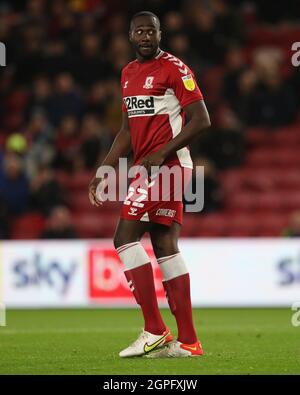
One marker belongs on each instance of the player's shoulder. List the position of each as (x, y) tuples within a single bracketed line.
[(173, 64), (129, 67)]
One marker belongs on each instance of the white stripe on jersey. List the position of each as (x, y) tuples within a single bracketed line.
[(175, 120), (145, 106)]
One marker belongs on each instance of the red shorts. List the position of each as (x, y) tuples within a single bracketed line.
[(157, 199)]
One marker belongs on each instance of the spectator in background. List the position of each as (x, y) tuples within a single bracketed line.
[(228, 23), (213, 196), (30, 57), (36, 11), (274, 102), (87, 24), (214, 26), (263, 98), (67, 144), (202, 33), (45, 191), (16, 143), (58, 59), (115, 25), (58, 10), (243, 102), (294, 81), (94, 141), (59, 225), (6, 84), (179, 45), (14, 107), (234, 67), (173, 23), (274, 12), (66, 100), (119, 54), (97, 99), (39, 100), (293, 228), (113, 116), (14, 185), (40, 137), (91, 65), (223, 144), (63, 23)]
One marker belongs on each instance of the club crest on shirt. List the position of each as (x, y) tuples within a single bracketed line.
[(148, 83), (189, 82)]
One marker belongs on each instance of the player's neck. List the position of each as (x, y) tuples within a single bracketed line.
[(141, 59)]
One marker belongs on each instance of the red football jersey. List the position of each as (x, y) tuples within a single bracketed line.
[(154, 95)]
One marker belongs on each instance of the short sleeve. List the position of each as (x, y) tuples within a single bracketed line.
[(184, 85), (124, 109)]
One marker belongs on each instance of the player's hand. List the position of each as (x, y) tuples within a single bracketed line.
[(96, 187), (155, 159)]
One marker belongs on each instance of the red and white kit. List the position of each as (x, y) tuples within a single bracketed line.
[(154, 95)]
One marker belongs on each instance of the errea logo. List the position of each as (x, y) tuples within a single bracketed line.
[(2, 54), (139, 105)]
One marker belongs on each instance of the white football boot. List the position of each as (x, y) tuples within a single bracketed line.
[(146, 343), (177, 349)]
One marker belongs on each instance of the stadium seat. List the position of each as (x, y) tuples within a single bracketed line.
[(242, 225), (213, 224), (79, 203), (243, 201), (17, 101), (258, 137), (212, 81), (264, 157), (272, 224), (286, 137), (94, 226), (261, 36), (75, 182), (28, 226)]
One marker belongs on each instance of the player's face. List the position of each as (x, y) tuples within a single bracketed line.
[(145, 36)]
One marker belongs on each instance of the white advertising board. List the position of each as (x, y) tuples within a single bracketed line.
[(224, 272), (43, 274)]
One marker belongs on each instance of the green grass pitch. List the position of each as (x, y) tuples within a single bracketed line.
[(87, 341)]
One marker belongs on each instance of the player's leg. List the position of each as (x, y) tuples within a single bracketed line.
[(176, 281), (139, 274)]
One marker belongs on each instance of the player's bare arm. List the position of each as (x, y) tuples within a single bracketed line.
[(120, 148), (198, 121)]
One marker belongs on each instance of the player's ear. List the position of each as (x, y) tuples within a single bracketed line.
[(130, 35), (159, 36)]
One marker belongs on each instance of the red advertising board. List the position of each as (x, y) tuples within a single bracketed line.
[(107, 282)]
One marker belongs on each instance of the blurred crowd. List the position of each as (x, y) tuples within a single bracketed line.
[(60, 95)]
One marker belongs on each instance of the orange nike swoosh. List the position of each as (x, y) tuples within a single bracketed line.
[(194, 348)]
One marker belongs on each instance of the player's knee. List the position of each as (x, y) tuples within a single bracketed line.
[(118, 241), (164, 247), (158, 247), (121, 239)]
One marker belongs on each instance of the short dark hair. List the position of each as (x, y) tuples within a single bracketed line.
[(145, 13)]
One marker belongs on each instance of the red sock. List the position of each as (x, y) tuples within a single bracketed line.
[(177, 286), (179, 298), (141, 282)]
